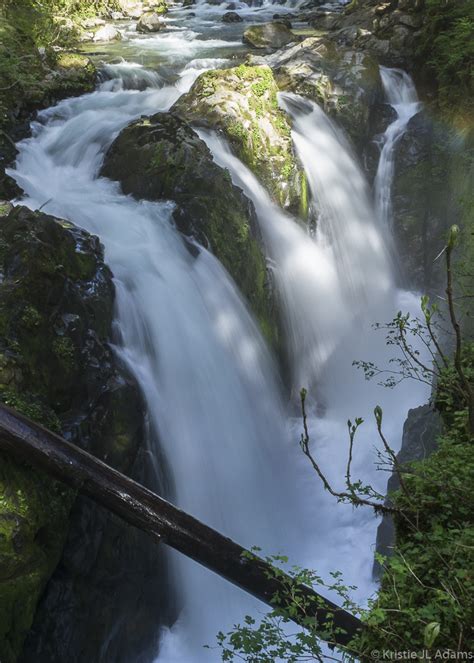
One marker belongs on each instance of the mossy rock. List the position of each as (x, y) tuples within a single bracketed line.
[(73, 74), (55, 287), (31, 540), (161, 158), (242, 102), (344, 82), (269, 36), (56, 309)]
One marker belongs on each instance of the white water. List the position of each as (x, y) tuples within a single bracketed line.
[(333, 287), (327, 285), (210, 385), (402, 97)]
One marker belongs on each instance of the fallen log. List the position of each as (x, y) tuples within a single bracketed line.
[(30, 443)]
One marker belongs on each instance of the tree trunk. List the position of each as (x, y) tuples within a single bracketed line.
[(33, 444)]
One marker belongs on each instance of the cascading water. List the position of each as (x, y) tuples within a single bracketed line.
[(208, 381), (402, 97), (326, 284), (210, 386), (333, 288)]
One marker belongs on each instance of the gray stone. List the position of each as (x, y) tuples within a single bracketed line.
[(107, 33), (269, 36), (150, 23), (231, 17), (420, 432)]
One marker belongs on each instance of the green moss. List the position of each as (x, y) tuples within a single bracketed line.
[(31, 540), (4, 209), (243, 102), (64, 349), (45, 265), (33, 408), (305, 196), (30, 317), (27, 80)]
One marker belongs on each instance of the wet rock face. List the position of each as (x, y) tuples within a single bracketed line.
[(242, 103), (269, 36), (420, 432), (162, 158), (345, 83), (387, 29), (56, 309), (422, 199), (56, 304)]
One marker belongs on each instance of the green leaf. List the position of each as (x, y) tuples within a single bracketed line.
[(431, 633)]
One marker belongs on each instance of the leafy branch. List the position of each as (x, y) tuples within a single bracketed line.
[(356, 493)]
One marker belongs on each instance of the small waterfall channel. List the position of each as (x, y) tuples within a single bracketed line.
[(212, 390), (401, 95)]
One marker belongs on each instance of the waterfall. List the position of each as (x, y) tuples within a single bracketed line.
[(333, 287), (326, 284), (208, 381), (402, 97), (211, 389)]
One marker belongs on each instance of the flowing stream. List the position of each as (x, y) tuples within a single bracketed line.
[(401, 95), (212, 390)]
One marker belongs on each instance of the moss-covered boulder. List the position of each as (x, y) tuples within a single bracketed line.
[(161, 157), (27, 30), (346, 83), (242, 103), (56, 307), (47, 79), (269, 36)]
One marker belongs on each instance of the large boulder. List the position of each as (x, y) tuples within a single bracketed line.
[(344, 82), (269, 36), (56, 311), (150, 23), (163, 158), (242, 102)]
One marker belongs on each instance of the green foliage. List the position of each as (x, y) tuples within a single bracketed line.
[(430, 578), (275, 637), (446, 49), (27, 25)]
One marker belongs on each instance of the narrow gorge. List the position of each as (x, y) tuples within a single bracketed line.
[(210, 213)]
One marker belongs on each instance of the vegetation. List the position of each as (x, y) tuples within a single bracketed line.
[(446, 51), (425, 599), (33, 36)]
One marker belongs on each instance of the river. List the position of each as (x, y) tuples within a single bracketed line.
[(217, 408)]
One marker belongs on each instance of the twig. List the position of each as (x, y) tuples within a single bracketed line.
[(356, 500)]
